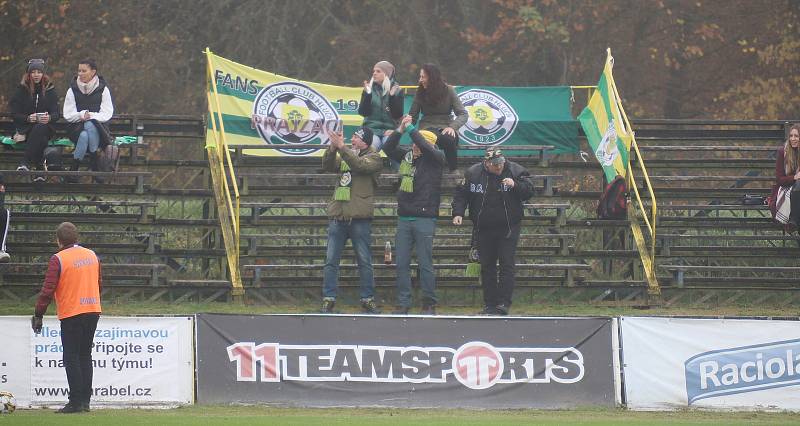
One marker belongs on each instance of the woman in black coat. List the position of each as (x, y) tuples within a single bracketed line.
[(34, 107)]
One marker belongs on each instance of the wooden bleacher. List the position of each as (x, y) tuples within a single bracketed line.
[(157, 212)]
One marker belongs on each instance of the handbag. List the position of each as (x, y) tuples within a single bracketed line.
[(783, 204)]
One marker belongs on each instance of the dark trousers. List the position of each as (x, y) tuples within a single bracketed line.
[(77, 334), (794, 213), (449, 145), (498, 245), (35, 144), (5, 223)]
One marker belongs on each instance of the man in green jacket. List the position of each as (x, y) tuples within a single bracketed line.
[(350, 213)]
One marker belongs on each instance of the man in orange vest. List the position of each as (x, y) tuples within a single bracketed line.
[(73, 277)]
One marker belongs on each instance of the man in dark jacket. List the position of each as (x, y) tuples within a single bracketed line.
[(350, 212), (421, 168), (494, 191)]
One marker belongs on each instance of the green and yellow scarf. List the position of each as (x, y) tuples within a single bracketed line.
[(342, 192), (407, 171)]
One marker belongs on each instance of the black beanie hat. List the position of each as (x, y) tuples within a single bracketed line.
[(366, 134), (35, 64)]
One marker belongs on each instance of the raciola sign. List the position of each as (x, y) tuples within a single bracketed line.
[(742, 369)]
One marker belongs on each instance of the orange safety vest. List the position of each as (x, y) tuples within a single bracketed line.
[(78, 289)]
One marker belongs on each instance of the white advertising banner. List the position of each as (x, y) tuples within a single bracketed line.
[(674, 363), (138, 361)]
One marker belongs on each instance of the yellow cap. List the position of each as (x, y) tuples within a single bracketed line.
[(429, 136)]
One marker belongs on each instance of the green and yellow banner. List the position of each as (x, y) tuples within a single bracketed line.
[(259, 107), (605, 127), (268, 110)]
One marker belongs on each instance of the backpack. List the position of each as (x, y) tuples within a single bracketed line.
[(108, 158), (53, 160), (613, 203)]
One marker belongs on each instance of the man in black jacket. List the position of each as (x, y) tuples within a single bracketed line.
[(418, 199), (494, 191)]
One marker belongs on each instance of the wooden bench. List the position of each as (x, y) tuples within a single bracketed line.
[(679, 271), (258, 271), (138, 177), (288, 241), (317, 211), (327, 181), (511, 151), (668, 243), (104, 206), (112, 272)]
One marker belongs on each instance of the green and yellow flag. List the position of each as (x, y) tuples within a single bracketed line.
[(258, 107), (603, 121)]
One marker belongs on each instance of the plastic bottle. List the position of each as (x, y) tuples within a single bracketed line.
[(387, 253)]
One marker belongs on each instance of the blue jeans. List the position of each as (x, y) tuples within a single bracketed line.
[(88, 139), (418, 233), (359, 231)]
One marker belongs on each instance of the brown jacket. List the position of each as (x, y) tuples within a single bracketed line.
[(364, 167)]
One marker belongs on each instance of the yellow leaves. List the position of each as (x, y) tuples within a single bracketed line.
[(693, 52)]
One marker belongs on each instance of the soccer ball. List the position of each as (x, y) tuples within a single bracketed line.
[(7, 403), (297, 112)]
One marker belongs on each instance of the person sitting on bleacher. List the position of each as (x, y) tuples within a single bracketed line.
[(442, 111), (421, 168), (381, 102), (494, 191), (88, 106), (787, 176), (5, 223), (350, 211), (34, 108)]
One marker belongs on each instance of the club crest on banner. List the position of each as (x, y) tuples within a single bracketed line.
[(607, 150), (491, 120), (293, 113)]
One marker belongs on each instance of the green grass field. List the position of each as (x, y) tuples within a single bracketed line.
[(163, 308), (218, 415)]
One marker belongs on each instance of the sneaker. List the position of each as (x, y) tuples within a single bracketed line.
[(23, 168), (400, 310), (369, 306), (38, 179), (85, 407), (327, 305), (488, 310), (428, 310), (4, 257), (70, 408), (501, 309)]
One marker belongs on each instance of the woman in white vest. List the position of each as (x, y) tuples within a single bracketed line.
[(88, 106)]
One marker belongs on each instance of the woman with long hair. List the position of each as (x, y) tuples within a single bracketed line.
[(438, 102), (787, 172), (381, 103), (34, 108), (88, 106)]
